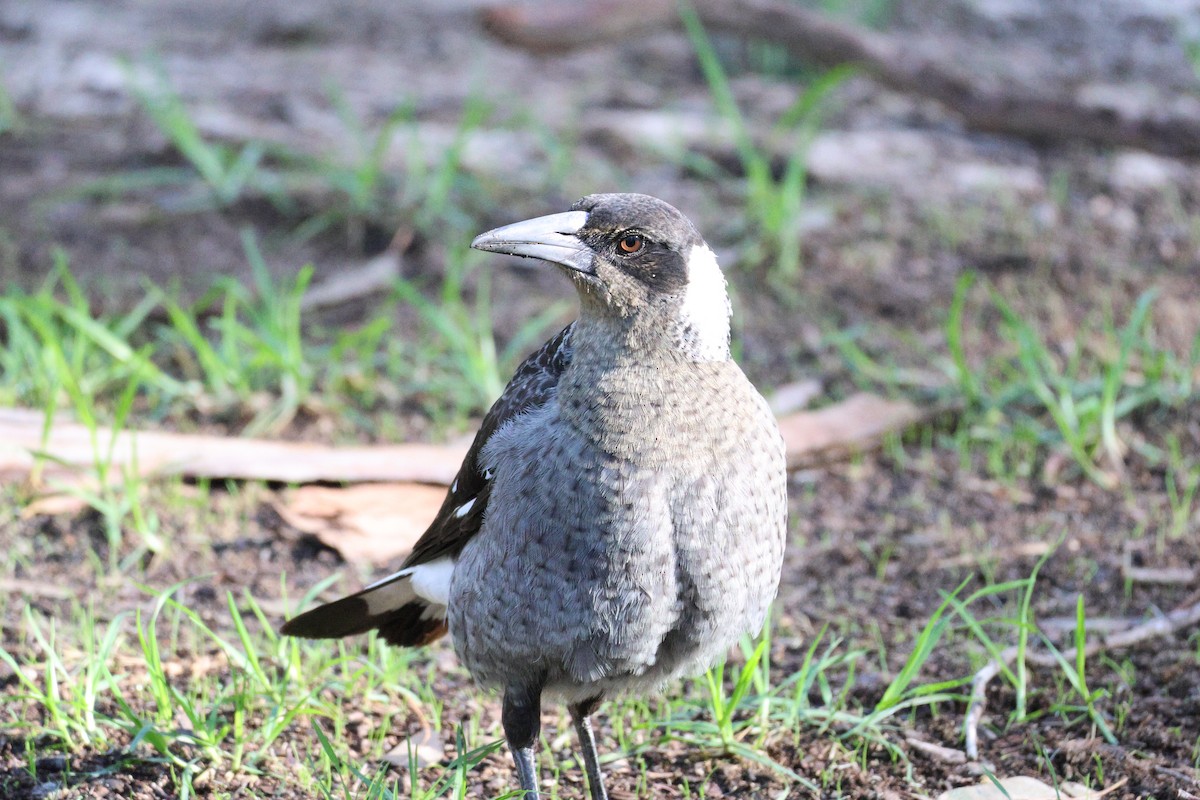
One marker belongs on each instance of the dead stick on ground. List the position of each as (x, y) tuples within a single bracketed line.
[(997, 106), (857, 424), (1178, 619)]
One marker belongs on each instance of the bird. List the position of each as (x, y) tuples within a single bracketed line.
[(619, 520)]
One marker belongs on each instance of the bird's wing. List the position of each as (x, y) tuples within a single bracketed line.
[(461, 514), (409, 606)]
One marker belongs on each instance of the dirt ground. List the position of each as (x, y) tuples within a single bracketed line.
[(937, 524), (901, 202)]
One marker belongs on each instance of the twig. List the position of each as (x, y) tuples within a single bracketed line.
[(1172, 576), (859, 423), (18, 586), (354, 284), (1178, 775), (1163, 575), (69, 452), (936, 751), (1165, 625)]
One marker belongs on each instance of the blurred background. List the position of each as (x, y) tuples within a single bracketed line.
[(854, 156), (252, 220)]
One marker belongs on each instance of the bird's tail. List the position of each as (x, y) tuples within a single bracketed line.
[(407, 608)]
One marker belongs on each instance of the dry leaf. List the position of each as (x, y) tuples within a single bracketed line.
[(427, 748), (371, 522)]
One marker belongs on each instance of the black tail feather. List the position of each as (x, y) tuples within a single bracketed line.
[(410, 625)]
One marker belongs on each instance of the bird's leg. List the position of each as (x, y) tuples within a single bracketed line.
[(522, 720), (581, 716)]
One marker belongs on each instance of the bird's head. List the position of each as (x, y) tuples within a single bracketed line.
[(636, 262)]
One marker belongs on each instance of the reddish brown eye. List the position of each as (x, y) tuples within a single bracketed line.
[(630, 243)]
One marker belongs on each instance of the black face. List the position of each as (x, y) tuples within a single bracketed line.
[(642, 236), (653, 263)]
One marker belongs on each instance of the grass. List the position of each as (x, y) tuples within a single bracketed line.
[(200, 727), (256, 346), (471, 369), (227, 173), (237, 354), (773, 199), (1031, 404), (241, 354), (1035, 398), (10, 119), (117, 683), (366, 187), (1076, 675), (363, 190), (189, 679), (255, 687)]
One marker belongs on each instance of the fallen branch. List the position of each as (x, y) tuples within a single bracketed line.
[(391, 505), (858, 423), (1112, 115), (1177, 620), (68, 452)]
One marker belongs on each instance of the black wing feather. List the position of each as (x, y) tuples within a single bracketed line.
[(534, 383)]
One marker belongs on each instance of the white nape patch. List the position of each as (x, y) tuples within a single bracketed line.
[(706, 307), (464, 509), (431, 581)]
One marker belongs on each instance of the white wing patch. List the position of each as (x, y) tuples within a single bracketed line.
[(429, 582), (390, 593)]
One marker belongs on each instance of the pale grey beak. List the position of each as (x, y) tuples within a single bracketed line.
[(551, 238)]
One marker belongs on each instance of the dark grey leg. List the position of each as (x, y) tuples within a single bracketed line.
[(521, 717), (581, 716)]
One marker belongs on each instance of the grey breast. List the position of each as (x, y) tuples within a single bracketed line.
[(622, 548)]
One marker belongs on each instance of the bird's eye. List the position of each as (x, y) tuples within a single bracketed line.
[(631, 243)]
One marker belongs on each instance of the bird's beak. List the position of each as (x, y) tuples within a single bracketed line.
[(551, 238)]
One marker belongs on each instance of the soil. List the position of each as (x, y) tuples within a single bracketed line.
[(1066, 235)]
